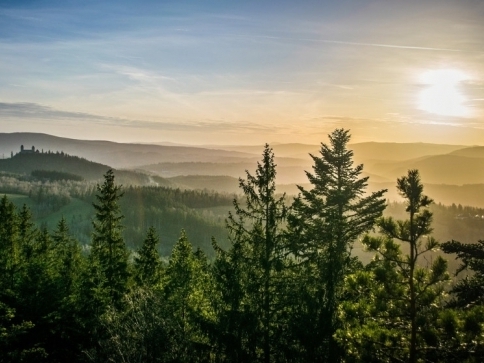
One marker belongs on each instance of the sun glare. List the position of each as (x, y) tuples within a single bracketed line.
[(442, 95)]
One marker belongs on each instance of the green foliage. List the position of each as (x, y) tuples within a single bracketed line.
[(147, 265), (236, 322), (187, 288), (9, 243), (464, 323), (142, 331), (394, 317), (108, 250), (325, 222), (169, 211), (60, 162), (250, 273), (287, 289), (55, 175), (470, 290)]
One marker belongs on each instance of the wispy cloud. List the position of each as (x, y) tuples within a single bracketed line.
[(33, 111)]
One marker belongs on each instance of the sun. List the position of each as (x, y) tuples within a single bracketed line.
[(442, 95)]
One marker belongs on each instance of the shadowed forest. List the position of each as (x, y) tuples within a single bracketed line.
[(253, 277)]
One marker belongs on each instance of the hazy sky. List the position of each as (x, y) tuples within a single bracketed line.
[(244, 72)]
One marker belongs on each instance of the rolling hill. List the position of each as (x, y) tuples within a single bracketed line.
[(218, 183), (366, 151), (118, 155), (218, 167), (470, 152), (27, 163), (438, 169), (285, 174), (362, 151)]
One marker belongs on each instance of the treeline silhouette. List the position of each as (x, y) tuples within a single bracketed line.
[(285, 289), (55, 175)]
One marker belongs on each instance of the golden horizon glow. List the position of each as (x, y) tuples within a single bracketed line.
[(442, 95)]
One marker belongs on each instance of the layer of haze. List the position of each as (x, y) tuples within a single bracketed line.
[(248, 72)]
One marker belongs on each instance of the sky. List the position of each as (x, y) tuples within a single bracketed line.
[(244, 72)]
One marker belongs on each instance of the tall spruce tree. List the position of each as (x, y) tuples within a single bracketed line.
[(108, 249), (325, 222), (257, 256), (187, 286), (68, 260), (236, 324), (68, 255), (147, 265), (26, 228), (103, 279), (9, 244)]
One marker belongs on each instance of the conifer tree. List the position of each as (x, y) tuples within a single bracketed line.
[(26, 226), (469, 290), (235, 324), (257, 257), (187, 286), (108, 249), (465, 310), (67, 254), (68, 266), (9, 244), (400, 320), (104, 276), (147, 265), (325, 222)]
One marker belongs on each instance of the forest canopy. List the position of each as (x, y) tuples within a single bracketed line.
[(282, 283)]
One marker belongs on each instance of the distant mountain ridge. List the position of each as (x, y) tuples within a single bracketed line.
[(131, 155), (449, 169), (439, 164), (470, 152), (362, 151), (118, 155)]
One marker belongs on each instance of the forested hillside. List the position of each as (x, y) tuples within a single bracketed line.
[(58, 161), (283, 285), (201, 213)]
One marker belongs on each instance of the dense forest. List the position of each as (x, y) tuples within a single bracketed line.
[(282, 285), (167, 209)]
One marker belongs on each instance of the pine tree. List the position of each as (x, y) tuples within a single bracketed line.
[(257, 257), (463, 321), (236, 325), (147, 265), (325, 222), (67, 255), (9, 244), (469, 290), (68, 262), (103, 278), (26, 226), (13, 327), (108, 249), (412, 291), (187, 286)]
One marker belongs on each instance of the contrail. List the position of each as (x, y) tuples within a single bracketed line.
[(386, 45), (361, 44)]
